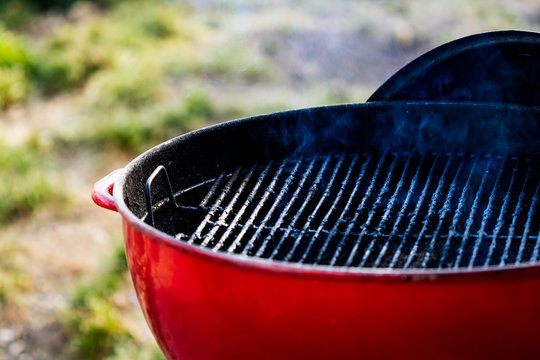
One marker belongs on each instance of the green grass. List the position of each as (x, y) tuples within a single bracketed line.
[(129, 86), (95, 324), (15, 63), (121, 44), (13, 52), (25, 178), (124, 57), (233, 61), (15, 14), (105, 284), (131, 351), (96, 329), (14, 86), (134, 129), (69, 57), (13, 279)]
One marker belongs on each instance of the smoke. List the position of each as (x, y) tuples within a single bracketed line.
[(307, 132), (422, 127)]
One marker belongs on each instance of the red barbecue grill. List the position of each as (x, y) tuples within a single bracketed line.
[(366, 230)]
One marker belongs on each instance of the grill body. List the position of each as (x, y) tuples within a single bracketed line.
[(200, 306), (204, 304)]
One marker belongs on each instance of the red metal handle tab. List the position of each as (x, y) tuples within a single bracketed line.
[(102, 192)]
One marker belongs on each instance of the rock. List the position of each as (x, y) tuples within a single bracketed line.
[(16, 348), (6, 335)]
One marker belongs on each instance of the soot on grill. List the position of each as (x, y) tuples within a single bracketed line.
[(367, 209)]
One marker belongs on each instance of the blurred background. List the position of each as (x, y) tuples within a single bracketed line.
[(85, 86)]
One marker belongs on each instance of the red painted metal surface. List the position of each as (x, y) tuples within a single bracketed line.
[(205, 305), (102, 192), (199, 308)]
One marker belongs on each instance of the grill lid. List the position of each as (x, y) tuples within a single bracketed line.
[(498, 67), (375, 210)]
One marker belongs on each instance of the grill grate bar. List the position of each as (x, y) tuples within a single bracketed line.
[(334, 229), (412, 221), (457, 215), (307, 200), (472, 213), (330, 212), (359, 210), (431, 210), (354, 234), (242, 210), (442, 215), (315, 211), (225, 214), (534, 255), (212, 191), (371, 214), (262, 202), (525, 235), (500, 219), (515, 216), (485, 217), (389, 210), (285, 212), (215, 208), (386, 214), (401, 214)]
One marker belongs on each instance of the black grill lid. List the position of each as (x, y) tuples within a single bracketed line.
[(498, 67)]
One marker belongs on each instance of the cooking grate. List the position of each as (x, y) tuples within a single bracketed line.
[(389, 210)]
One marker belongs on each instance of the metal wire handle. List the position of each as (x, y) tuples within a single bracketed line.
[(148, 194)]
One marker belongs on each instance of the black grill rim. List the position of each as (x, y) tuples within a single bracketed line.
[(260, 264)]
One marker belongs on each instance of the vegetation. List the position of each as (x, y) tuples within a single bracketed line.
[(137, 130), (95, 324), (15, 64), (13, 279), (26, 184)]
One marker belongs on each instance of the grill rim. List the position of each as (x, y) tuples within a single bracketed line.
[(301, 269), (324, 271)]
